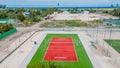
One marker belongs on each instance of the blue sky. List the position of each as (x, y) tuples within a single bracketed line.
[(53, 3)]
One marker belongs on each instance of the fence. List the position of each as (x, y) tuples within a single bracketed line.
[(8, 33), (99, 35)]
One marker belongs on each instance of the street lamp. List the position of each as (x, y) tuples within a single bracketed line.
[(58, 3), (109, 42), (16, 16), (103, 41), (97, 34)]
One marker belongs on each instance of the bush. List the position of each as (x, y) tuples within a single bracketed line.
[(63, 23), (21, 17), (46, 65), (96, 22), (74, 10), (25, 23), (5, 27)]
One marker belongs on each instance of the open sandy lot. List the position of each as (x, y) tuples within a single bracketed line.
[(82, 16)]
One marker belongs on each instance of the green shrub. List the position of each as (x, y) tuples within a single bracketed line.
[(25, 23), (46, 65), (5, 27), (65, 23)]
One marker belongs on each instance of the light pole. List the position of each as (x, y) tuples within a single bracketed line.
[(58, 3), (109, 42), (103, 41), (16, 17), (19, 39), (93, 34), (97, 35)]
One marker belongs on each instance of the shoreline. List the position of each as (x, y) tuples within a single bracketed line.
[(64, 7)]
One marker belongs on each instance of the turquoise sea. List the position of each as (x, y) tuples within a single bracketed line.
[(65, 7)]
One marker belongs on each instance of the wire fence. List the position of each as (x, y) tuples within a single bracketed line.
[(99, 36)]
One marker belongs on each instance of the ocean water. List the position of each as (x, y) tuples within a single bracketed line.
[(65, 7)]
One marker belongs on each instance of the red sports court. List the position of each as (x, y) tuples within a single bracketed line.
[(61, 49)]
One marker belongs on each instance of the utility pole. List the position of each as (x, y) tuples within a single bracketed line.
[(16, 16), (109, 42), (58, 4), (117, 5), (96, 40), (103, 41)]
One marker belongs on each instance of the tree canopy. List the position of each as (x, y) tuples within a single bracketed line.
[(5, 27)]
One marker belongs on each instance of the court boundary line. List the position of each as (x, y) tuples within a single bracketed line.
[(75, 50), (63, 60), (46, 50)]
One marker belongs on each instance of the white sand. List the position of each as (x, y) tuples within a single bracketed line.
[(82, 16)]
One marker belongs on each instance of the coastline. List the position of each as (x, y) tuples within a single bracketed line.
[(64, 7)]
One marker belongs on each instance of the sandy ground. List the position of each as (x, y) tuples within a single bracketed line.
[(7, 45), (10, 43), (19, 55), (82, 16)]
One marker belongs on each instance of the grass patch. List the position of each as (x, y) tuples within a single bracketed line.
[(83, 60), (65, 23), (115, 44), (95, 23)]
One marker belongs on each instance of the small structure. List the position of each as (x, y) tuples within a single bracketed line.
[(66, 12), (80, 10), (86, 12), (12, 21), (111, 22), (26, 14), (93, 44), (35, 42), (4, 20), (47, 17)]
